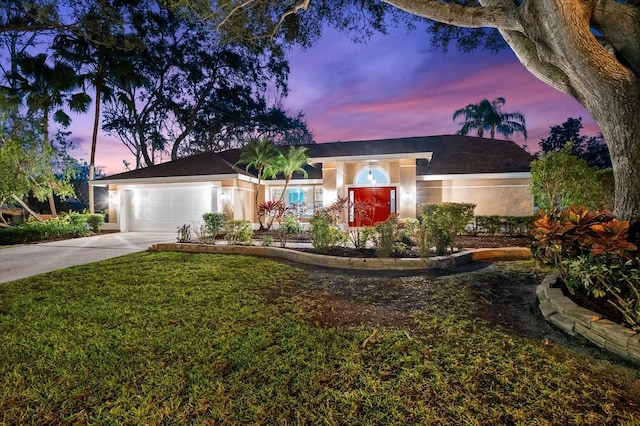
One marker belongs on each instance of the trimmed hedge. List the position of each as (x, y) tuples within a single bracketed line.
[(40, 231)]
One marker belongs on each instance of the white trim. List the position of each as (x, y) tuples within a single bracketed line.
[(475, 186), (373, 157), (169, 185), (476, 176), (173, 179), (376, 185), (281, 182)]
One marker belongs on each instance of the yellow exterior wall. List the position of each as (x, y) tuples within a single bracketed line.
[(406, 193), (237, 200), (507, 197)]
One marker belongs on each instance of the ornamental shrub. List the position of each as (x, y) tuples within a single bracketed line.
[(324, 233), (94, 221), (290, 224), (184, 233), (213, 224), (238, 231), (444, 221), (560, 179), (386, 238), (592, 252), (39, 231)]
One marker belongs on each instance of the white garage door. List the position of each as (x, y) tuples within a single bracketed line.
[(168, 208)]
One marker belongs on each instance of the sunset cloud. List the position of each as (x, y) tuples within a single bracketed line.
[(395, 86)]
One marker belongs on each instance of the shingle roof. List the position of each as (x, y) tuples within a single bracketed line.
[(205, 164), (452, 154)]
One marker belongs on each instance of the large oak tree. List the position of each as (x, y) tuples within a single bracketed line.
[(588, 49)]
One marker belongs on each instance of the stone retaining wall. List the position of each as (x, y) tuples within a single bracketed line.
[(374, 264), (573, 319)]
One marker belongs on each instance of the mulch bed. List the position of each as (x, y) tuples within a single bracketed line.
[(462, 242)]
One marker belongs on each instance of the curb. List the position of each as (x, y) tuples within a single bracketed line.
[(573, 319), (372, 264)]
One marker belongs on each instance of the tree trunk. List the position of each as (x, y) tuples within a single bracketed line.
[(94, 142), (620, 125), (26, 207), (45, 131), (560, 49)]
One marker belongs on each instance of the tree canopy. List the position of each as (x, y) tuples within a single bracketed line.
[(171, 86), (588, 49), (592, 149), (488, 115)]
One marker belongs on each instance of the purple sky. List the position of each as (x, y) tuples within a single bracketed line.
[(393, 86)]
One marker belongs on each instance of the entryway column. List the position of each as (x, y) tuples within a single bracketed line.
[(407, 188)]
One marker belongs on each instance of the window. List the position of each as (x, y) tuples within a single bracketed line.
[(305, 199), (371, 175)]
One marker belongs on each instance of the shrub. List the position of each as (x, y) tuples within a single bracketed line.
[(386, 238), (488, 224), (213, 224), (238, 231), (359, 237), (517, 224), (184, 233), (444, 221), (270, 210), (95, 221), (39, 231), (612, 277), (323, 232), (290, 224), (408, 231), (560, 179), (202, 235), (591, 251), (73, 218), (267, 241)]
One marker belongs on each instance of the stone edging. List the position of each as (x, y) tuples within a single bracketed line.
[(573, 319), (374, 264)]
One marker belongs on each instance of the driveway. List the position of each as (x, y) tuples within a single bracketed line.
[(32, 259)]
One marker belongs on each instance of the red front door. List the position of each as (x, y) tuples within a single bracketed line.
[(368, 206)]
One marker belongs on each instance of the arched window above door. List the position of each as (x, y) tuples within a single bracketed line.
[(371, 175)]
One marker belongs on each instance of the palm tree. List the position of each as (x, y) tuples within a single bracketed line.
[(259, 154), (289, 163), (95, 67), (487, 115), (46, 88)]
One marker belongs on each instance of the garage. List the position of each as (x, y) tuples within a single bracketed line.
[(166, 208)]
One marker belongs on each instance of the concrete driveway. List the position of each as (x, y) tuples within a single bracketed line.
[(31, 259)]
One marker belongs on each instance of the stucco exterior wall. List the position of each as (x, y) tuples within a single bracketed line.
[(507, 197), (237, 200)]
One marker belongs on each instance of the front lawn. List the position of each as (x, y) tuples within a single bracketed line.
[(177, 338)]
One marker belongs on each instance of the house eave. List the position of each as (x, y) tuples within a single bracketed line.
[(278, 182), (475, 176), (171, 179), (373, 157)]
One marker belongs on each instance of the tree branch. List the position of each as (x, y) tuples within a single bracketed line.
[(303, 5), (620, 25), (233, 12), (527, 53), (503, 17)]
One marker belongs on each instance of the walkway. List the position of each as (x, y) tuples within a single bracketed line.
[(31, 259)]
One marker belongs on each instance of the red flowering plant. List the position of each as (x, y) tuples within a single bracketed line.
[(270, 210)]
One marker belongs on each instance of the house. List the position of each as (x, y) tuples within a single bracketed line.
[(399, 174)]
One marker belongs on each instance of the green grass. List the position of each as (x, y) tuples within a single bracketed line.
[(170, 338)]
